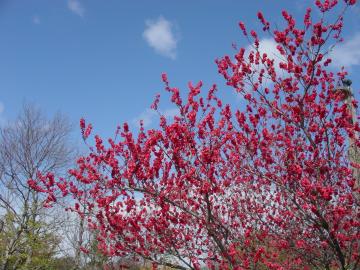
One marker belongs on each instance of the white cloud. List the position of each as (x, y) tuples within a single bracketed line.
[(268, 46), (159, 35), (36, 20), (347, 54), (2, 107), (149, 115), (76, 7), (2, 117)]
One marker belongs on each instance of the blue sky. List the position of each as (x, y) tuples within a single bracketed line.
[(103, 60)]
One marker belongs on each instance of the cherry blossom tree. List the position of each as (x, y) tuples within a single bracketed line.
[(266, 186)]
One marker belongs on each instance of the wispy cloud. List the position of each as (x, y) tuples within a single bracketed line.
[(2, 117), (36, 19), (149, 116), (170, 113), (76, 7), (146, 116), (2, 107), (347, 54), (159, 34)]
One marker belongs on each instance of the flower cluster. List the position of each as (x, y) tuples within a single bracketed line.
[(267, 186)]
